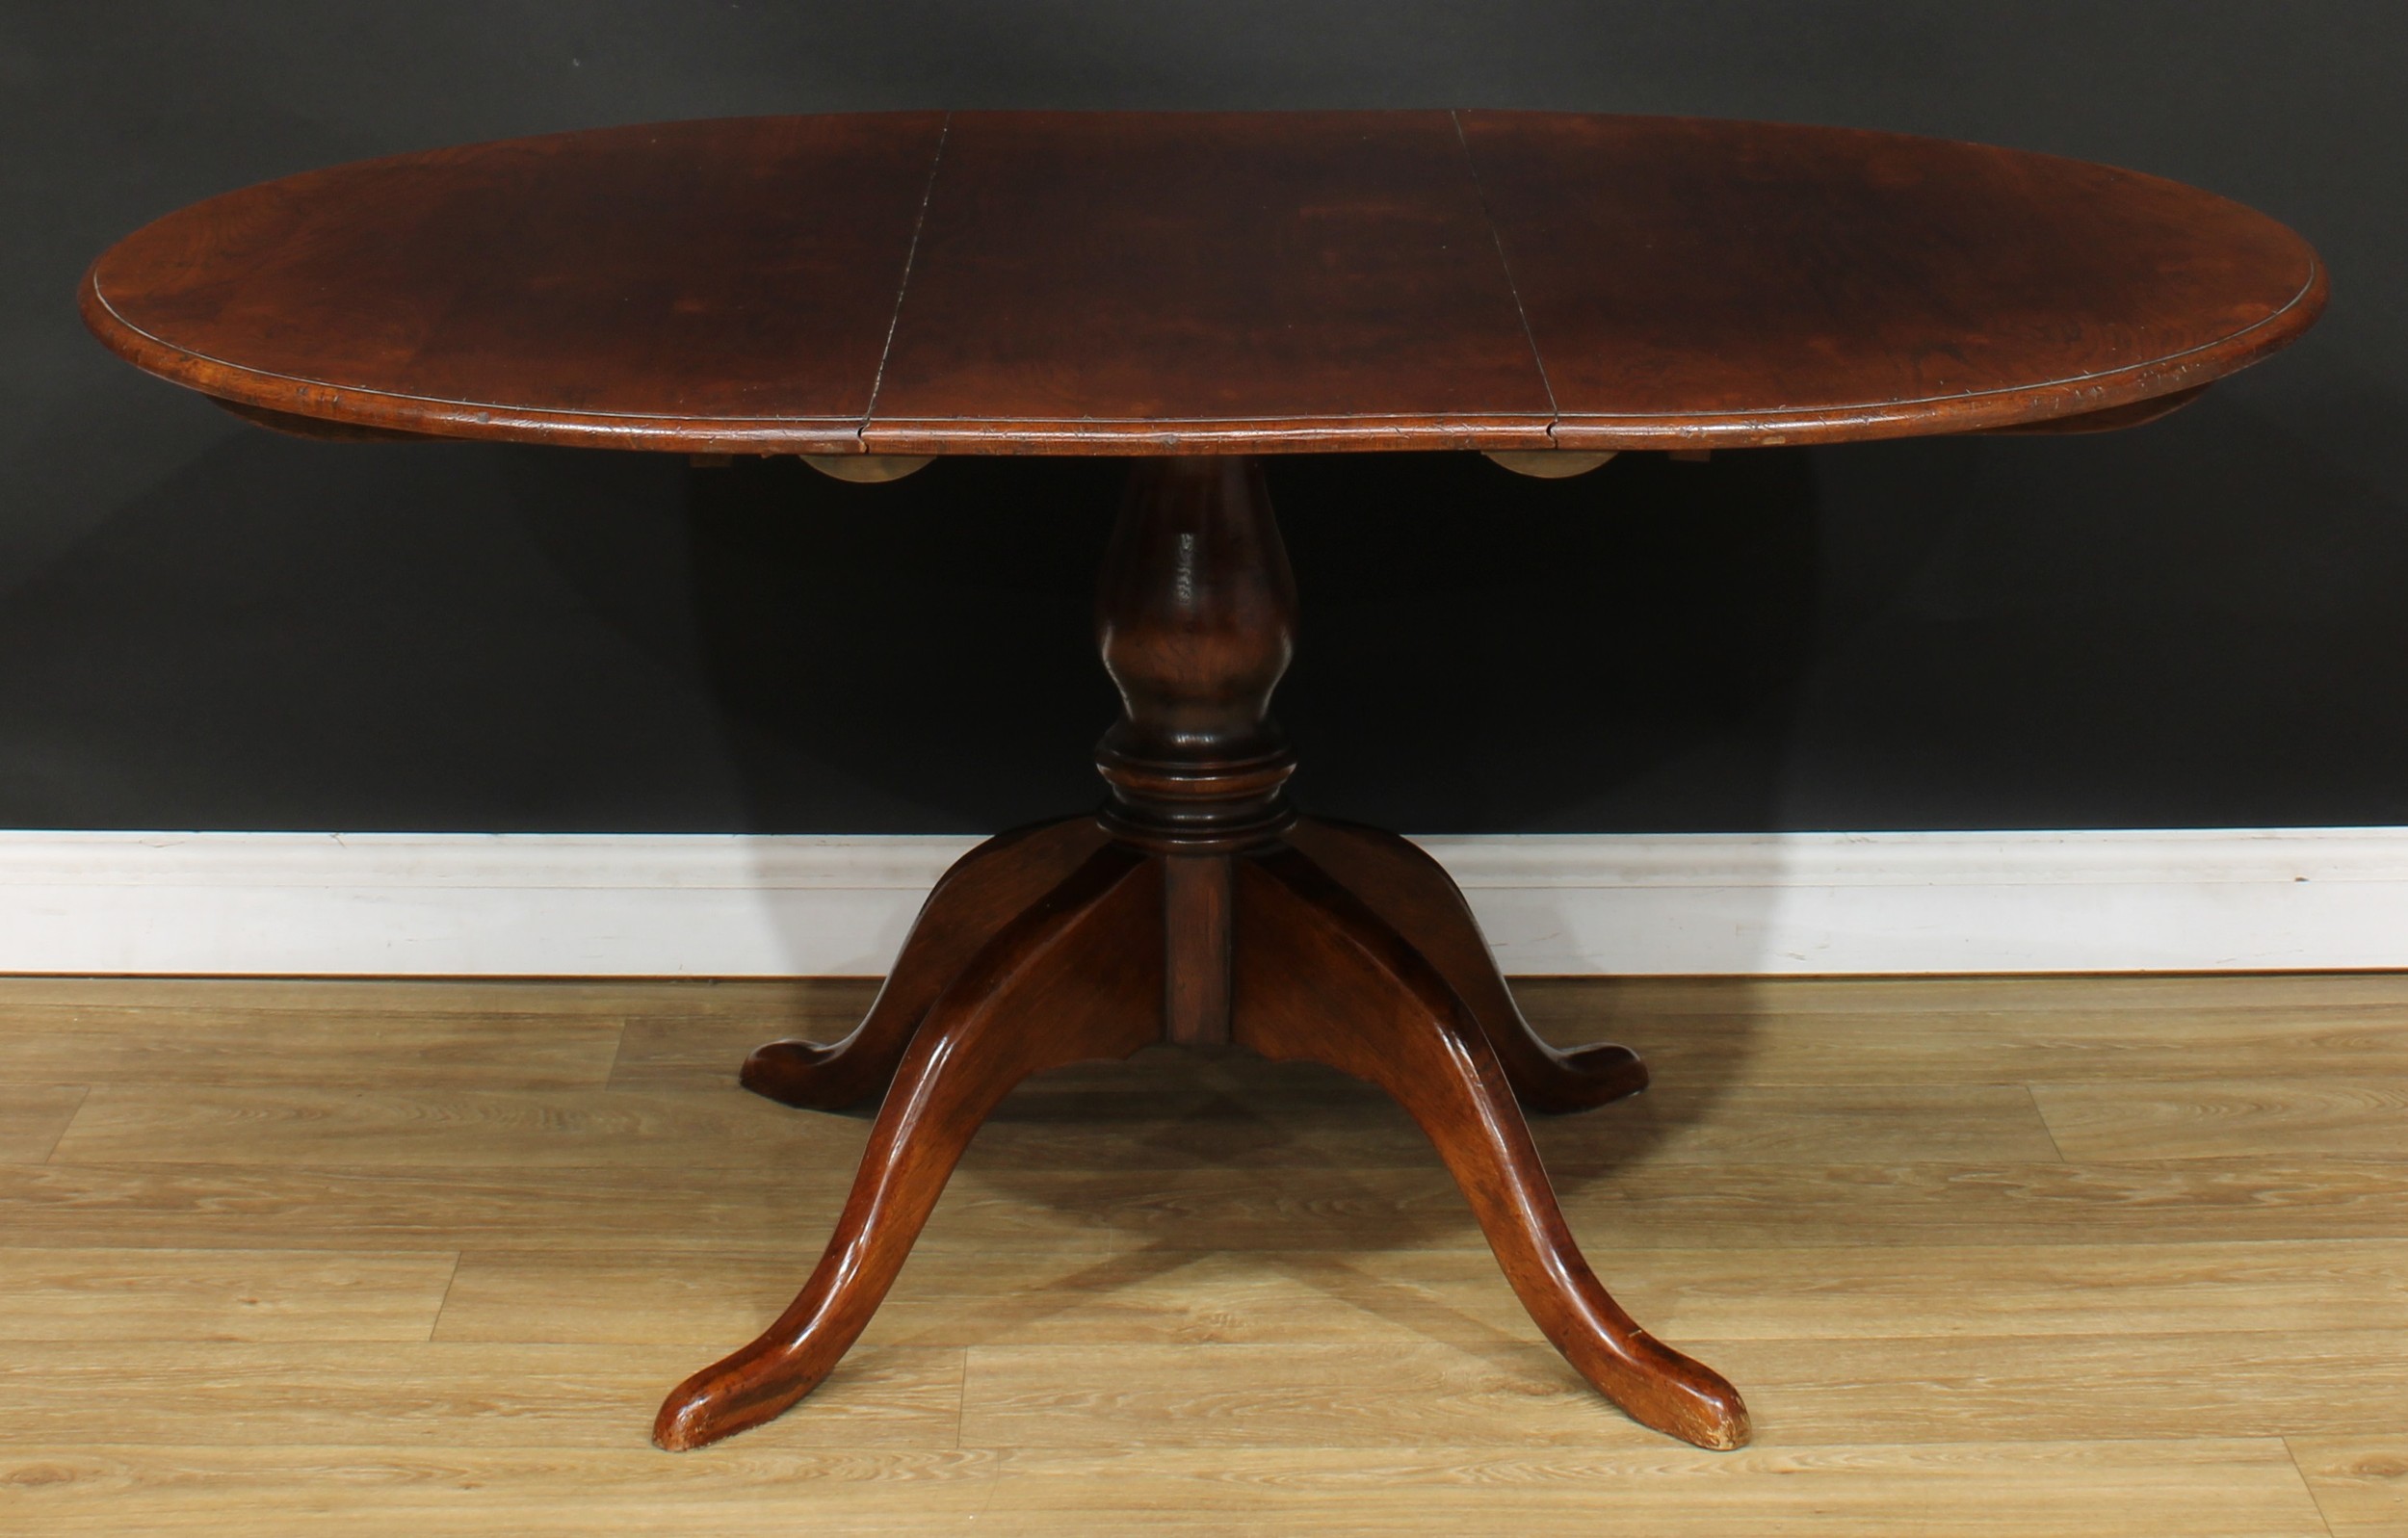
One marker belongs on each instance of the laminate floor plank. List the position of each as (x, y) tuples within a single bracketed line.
[(729, 1129), (260, 1206), (357, 1129), (476, 1491), (172, 1050), (29, 998), (2029, 1047), (2365, 1117), (219, 1295), (1604, 999), (1291, 1117), (1742, 1205), (34, 1118), (2359, 1483), (964, 1294), (430, 1394), (1766, 1050), (2230, 1488), (2198, 1489), (2003, 1387), (1231, 1108), (1988, 1257)]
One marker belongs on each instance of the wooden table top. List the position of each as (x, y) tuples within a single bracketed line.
[(1148, 283)]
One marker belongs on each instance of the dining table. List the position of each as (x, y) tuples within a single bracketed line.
[(1191, 292)]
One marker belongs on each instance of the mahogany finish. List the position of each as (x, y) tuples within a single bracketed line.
[(1076, 976), (1197, 622), (1269, 279), (1197, 288), (1151, 282), (984, 892), (1802, 285), (1195, 908), (1413, 895), (697, 286), (1321, 978)]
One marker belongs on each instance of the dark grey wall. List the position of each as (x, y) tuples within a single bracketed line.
[(2199, 623)]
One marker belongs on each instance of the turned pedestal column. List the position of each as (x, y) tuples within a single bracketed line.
[(1197, 907)]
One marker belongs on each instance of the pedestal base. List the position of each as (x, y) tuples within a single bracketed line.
[(1333, 944), (1197, 908)]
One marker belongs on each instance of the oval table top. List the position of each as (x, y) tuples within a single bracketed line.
[(913, 283)]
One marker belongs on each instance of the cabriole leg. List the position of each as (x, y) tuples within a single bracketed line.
[(1076, 977), (1413, 894), (985, 890), (1321, 977)]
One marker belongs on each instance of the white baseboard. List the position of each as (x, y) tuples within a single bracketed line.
[(733, 905)]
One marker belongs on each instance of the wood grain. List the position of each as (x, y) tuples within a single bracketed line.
[(228, 1004), (1222, 1337), (1076, 974), (1321, 977), (1069, 1129), (2360, 1484), (219, 1295), (2362, 1118), (472, 1491), (258, 1205), (708, 286), (1220, 282), (2193, 1488), (971, 904), (33, 1117), (435, 1127), (308, 1394), (2197, 1488), (1739, 1047), (2009, 1386), (1823, 1124), (1165, 282), (2032, 1046), (228, 1048), (1805, 285), (2137, 994), (684, 1035), (958, 1292)]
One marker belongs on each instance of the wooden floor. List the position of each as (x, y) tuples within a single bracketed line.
[(2049, 1257)]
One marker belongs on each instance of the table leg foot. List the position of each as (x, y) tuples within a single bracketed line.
[(983, 891), (1320, 977), (1077, 975), (1414, 896)]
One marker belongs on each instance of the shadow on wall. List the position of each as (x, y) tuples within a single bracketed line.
[(1477, 648), (2194, 624), (280, 634), (292, 635)]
